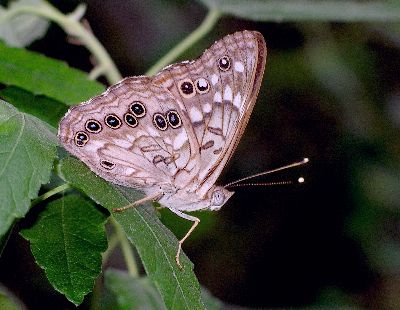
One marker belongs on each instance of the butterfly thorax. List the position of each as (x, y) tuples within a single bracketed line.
[(185, 200)]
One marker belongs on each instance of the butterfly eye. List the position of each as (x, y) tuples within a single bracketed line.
[(160, 122), (174, 119), (138, 109), (113, 121), (224, 63), (130, 120), (107, 164), (218, 198), (202, 86), (93, 126), (81, 138), (186, 88)]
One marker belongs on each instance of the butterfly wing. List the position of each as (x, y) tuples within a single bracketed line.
[(217, 93), (125, 136)]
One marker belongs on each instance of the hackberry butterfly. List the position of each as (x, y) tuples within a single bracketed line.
[(171, 135)]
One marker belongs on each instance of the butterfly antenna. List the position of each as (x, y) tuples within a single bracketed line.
[(300, 180)]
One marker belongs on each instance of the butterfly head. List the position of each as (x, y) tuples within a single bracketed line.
[(219, 197)]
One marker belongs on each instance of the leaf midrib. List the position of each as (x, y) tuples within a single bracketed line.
[(16, 144)]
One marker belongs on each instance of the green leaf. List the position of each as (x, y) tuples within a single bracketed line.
[(41, 75), (27, 152), (156, 245), (308, 10), (67, 241), (47, 109), (23, 29), (132, 293)]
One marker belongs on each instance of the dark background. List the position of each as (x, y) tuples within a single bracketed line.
[(330, 93)]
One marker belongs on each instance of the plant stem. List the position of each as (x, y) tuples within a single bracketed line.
[(204, 28), (126, 248), (71, 25), (50, 193), (113, 241)]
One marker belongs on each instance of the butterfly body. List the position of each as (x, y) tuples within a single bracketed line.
[(171, 135)]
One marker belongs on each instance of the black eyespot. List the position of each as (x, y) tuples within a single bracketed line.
[(224, 63), (187, 88), (138, 109), (112, 121), (174, 119), (159, 121), (202, 85), (93, 126), (107, 164), (130, 120), (81, 138)]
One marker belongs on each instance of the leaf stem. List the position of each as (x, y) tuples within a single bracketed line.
[(50, 193), (71, 25), (126, 248), (205, 27), (113, 241)]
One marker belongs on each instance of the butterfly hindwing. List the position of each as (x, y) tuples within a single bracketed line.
[(126, 135)]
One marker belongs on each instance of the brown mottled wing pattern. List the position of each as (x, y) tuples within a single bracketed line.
[(217, 93), (120, 135)]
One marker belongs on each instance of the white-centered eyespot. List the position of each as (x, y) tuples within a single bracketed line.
[(202, 86), (81, 138), (93, 126), (160, 122), (138, 109), (186, 88), (112, 121), (174, 119), (224, 63)]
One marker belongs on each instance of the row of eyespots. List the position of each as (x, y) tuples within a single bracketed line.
[(172, 118), (111, 120), (187, 88)]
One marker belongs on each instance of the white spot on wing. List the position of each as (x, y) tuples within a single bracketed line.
[(217, 97), (214, 79), (207, 108), (228, 93), (122, 143), (153, 132), (168, 140), (129, 170), (195, 115), (237, 102), (239, 66), (180, 139)]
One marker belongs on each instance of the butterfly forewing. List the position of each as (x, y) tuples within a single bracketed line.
[(217, 93)]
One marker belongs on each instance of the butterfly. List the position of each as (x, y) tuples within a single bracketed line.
[(170, 135)]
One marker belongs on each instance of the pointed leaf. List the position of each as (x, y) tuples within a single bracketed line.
[(45, 76), (47, 109), (155, 243), (308, 10), (27, 152), (132, 293), (67, 241)]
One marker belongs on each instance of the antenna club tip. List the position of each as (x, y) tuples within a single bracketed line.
[(301, 180), (306, 160)]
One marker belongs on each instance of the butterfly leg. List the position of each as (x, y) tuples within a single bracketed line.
[(156, 196), (195, 221)]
